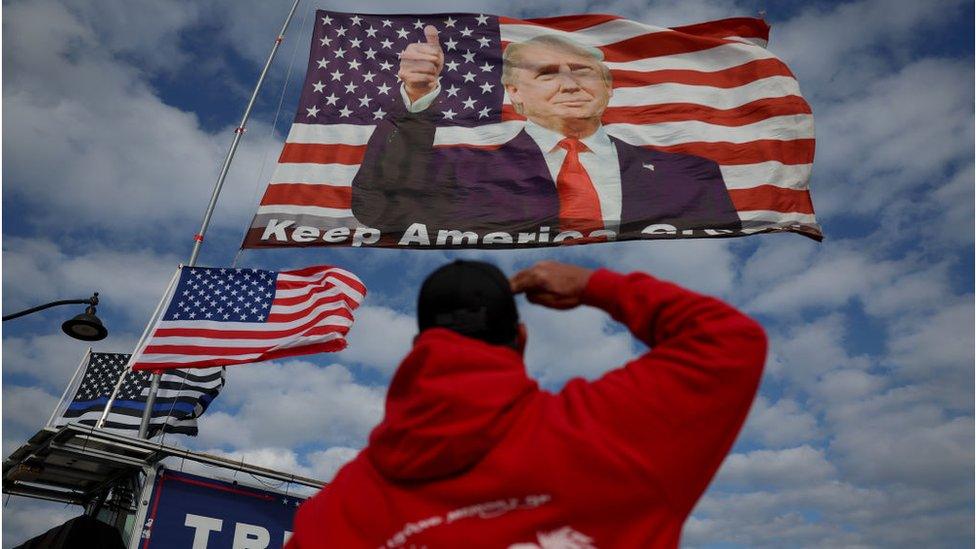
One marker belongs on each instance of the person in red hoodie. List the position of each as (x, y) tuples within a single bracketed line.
[(472, 453)]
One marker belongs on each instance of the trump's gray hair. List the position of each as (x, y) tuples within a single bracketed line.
[(513, 57)]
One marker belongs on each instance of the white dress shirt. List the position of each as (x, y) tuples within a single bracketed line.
[(422, 102), (600, 161)]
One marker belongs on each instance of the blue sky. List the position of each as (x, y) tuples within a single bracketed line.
[(117, 114)]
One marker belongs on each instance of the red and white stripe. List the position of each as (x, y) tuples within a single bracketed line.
[(710, 90), (311, 313)]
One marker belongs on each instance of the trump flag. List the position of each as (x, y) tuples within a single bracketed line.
[(474, 130), (219, 317)]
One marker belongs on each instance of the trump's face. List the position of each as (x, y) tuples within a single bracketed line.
[(556, 86)]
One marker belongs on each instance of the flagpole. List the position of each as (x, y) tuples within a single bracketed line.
[(71, 382), (150, 402), (198, 238), (141, 342)]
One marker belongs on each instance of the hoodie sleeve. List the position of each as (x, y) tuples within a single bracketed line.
[(676, 410)]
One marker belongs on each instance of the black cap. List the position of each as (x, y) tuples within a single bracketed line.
[(472, 298)]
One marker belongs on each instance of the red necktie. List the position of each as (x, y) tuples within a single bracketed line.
[(579, 205)]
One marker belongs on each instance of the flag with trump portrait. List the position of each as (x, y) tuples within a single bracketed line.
[(475, 130), (223, 316)]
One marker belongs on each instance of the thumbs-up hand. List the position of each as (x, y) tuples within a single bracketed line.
[(421, 65)]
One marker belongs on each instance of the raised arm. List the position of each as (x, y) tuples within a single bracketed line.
[(401, 180), (676, 410)]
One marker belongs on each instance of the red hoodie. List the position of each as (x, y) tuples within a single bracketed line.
[(472, 453)]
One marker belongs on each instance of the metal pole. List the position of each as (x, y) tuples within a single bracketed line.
[(71, 383), (198, 238), (90, 301), (150, 402), (135, 353), (238, 133)]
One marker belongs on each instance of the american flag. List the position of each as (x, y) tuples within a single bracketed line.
[(182, 396), (356, 63), (712, 90), (223, 316)]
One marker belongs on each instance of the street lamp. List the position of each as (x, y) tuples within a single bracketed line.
[(86, 326)]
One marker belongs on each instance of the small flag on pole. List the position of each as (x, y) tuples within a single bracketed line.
[(182, 396), (222, 316)]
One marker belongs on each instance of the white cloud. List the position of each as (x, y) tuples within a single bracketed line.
[(832, 514), (888, 141), (567, 344), (706, 266), (27, 409), (846, 385), (326, 463), (96, 146), (902, 437), (779, 424), (831, 279), (777, 258), (380, 338), (50, 359), (834, 49), (147, 29), (914, 291), (129, 282), (25, 518), (287, 404), (671, 13), (790, 467), (955, 208), (786, 282), (931, 346), (810, 350), (775, 518)]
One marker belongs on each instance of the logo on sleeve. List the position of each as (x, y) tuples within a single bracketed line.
[(563, 538)]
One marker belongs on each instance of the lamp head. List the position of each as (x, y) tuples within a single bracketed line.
[(86, 326)]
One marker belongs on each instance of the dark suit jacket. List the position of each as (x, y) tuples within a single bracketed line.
[(404, 180)]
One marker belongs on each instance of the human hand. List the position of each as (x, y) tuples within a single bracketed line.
[(552, 284), (421, 64)]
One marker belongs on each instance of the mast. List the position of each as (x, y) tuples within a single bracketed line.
[(198, 238), (142, 340)]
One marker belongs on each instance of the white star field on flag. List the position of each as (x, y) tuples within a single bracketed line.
[(102, 374), (354, 61), (223, 295)]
